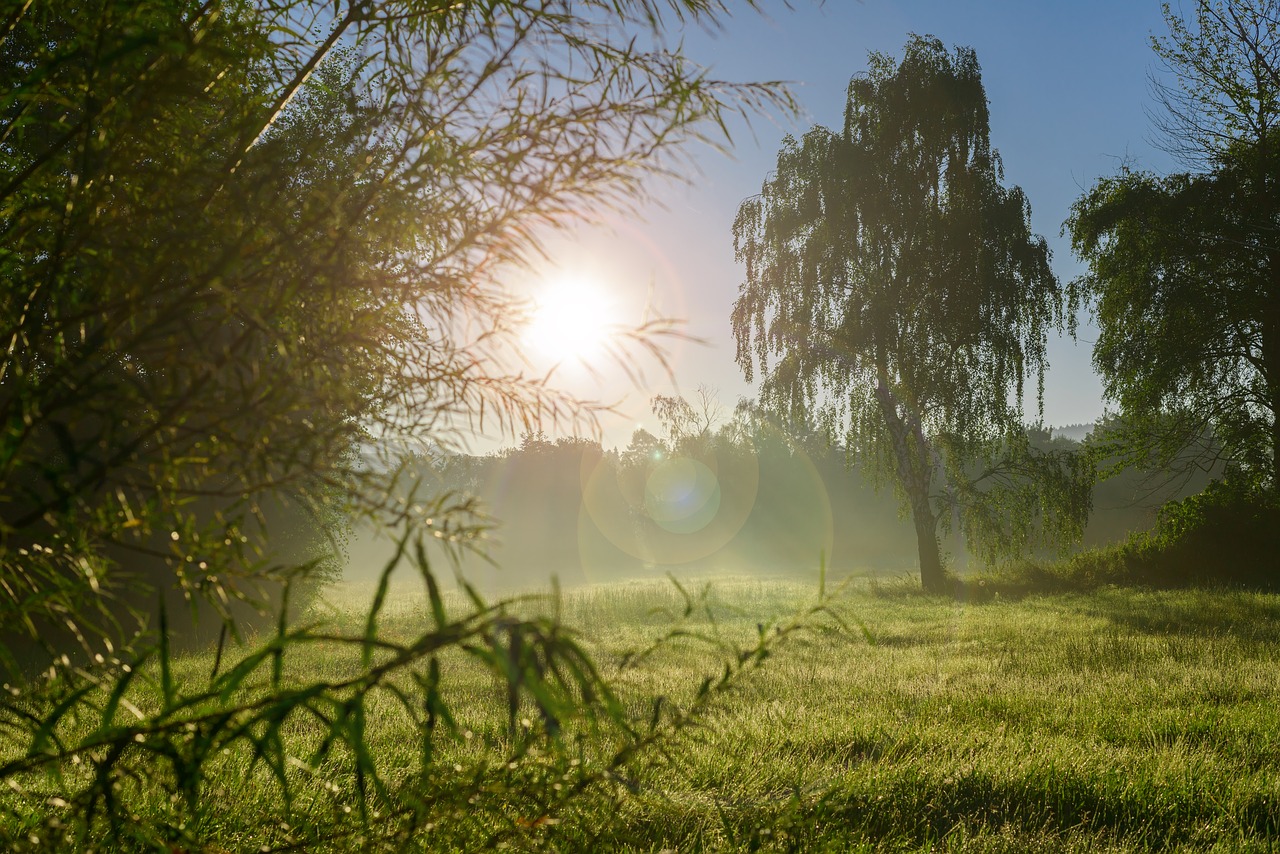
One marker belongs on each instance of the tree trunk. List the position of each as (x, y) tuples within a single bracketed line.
[(1271, 364), (915, 473), (1270, 368), (1266, 205), (932, 578)]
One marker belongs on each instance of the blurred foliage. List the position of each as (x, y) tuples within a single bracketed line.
[(130, 755), (249, 253), (249, 248)]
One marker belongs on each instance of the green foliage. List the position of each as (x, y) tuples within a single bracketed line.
[(244, 246), (1224, 502), (1221, 537), (1226, 535), (1225, 96), (1183, 269), (248, 253), (132, 755), (896, 298), (1180, 284)]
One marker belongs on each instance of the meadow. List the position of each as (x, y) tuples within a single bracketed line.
[(1117, 720)]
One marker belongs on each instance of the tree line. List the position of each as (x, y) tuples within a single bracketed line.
[(722, 492)]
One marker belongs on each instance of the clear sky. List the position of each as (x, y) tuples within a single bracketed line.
[(1068, 89)]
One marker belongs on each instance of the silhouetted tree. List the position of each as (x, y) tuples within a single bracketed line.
[(689, 425), (1184, 269), (896, 297)]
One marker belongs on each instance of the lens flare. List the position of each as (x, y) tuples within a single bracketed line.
[(675, 511), (682, 495)]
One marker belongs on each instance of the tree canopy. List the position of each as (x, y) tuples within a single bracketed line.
[(895, 295), (243, 244), (1184, 269)]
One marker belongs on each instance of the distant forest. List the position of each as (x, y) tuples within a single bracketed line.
[(746, 497)]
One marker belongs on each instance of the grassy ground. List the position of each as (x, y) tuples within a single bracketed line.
[(1119, 720)]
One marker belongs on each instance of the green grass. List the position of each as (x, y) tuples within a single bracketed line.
[(1116, 720), (1123, 720)]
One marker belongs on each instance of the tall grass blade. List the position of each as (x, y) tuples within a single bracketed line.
[(166, 671)]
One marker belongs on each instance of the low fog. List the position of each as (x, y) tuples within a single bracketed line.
[(732, 501)]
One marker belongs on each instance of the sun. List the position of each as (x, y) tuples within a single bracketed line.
[(572, 318)]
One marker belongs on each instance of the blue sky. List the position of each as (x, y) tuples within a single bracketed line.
[(1068, 91)]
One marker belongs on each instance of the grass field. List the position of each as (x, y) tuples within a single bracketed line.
[(1120, 720)]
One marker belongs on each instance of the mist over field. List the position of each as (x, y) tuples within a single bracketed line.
[(722, 505)]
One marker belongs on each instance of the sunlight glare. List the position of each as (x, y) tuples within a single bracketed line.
[(571, 319)]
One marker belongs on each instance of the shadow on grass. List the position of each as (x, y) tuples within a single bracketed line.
[(911, 808), (1202, 610), (921, 807), (976, 590), (1197, 612)]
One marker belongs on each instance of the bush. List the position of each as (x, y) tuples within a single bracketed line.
[(1226, 536)]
